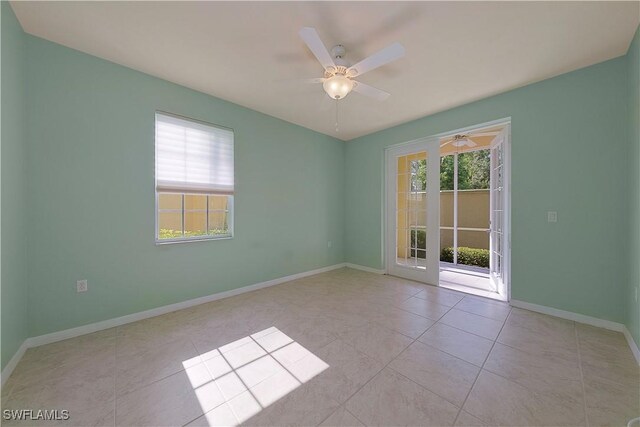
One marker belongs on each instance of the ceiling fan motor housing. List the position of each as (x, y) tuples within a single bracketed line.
[(339, 69)]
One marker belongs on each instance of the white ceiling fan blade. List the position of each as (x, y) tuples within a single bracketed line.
[(378, 59), (370, 91), (312, 39), (470, 143)]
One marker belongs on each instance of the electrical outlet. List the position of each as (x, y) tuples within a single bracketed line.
[(552, 216), (329, 244), (82, 286)]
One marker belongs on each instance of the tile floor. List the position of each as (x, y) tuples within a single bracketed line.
[(344, 348)]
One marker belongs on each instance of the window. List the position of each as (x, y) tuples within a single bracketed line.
[(194, 180)]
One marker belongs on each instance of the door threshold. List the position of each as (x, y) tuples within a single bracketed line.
[(472, 291)]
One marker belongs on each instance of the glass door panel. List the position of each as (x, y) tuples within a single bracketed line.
[(412, 217), (497, 214)]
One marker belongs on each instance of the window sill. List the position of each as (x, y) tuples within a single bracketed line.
[(195, 239)]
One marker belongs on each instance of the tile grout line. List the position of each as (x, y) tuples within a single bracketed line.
[(584, 392), (383, 368), (481, 369), (481, 315), (452, 355), (212, 381), (161, 378), (440, 318), (413, 340), (248, 389), (480, 336)]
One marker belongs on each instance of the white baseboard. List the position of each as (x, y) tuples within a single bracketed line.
[(119, 321), (364, 268), (6, 372), (632, 344), (569, 315), (582, 318)]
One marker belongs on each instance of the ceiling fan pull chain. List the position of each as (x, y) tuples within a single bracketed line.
[(337, 130)]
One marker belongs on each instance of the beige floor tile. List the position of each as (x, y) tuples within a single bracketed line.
[(243, 354), (152, 363), (547, 374), (440, 296), (209, 339), (90, 403), (401, 321), (424, 308), (168, 402), (272, 339), (304, 405), (95, 357), (484, 307), (467, 420), (542, 324), (72, 350), (217, 417), (376, 341), (390, 399), (606, 355), (259, 370), (469, 347), (311, 333), (445, 375), (338, 368), (91, 374), (501, 402), (230, 385), (538, 342), (292, 354), (625, 372), (609, 403), (341, 418), (472, 323)]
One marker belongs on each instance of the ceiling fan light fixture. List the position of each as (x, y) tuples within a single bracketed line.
[(460, 141), (338, 86)]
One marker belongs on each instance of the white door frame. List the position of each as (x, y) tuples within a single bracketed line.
[(386, 234), (432, 260), (499, 280)]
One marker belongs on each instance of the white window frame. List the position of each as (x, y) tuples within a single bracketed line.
[(230, 198)]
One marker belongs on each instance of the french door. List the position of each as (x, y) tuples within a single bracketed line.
[(413, 211), (498, 205)]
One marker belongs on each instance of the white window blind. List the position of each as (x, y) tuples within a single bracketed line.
[(192, 157)]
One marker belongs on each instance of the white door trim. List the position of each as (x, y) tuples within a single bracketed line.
[(491, 123), (432, 147)]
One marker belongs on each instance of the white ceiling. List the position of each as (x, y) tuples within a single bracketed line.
[(250, 53)]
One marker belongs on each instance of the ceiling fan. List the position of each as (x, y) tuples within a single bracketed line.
[(338, 80), (466, 140)]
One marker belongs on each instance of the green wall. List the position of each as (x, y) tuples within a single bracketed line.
[(633, 305), (569, 147), (88, 197), (91, 194), (13, 184)]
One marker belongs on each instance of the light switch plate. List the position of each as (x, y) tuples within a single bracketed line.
[(552, 216)]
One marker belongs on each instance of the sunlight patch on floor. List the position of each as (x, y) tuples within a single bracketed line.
[(250, 373)]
